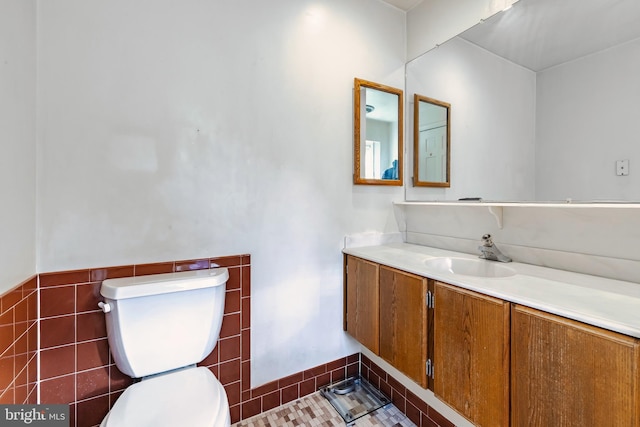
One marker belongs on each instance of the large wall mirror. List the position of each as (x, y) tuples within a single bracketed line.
[(546, 100), (378, 136), (431, 142)]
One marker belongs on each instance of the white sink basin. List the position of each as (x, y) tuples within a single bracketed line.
[(470, 267)]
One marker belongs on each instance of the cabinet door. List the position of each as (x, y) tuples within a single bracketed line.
[(566, 373), (362, 302), (471, 354), (403, 322)]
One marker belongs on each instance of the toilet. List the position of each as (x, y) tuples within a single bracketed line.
[(159, 327)]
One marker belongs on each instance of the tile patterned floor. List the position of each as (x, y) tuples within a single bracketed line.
[(314, 410)]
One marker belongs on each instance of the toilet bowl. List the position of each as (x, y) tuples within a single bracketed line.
[(159, 327), (191, 397)]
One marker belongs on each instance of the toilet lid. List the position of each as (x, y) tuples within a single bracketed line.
[(191, 397)]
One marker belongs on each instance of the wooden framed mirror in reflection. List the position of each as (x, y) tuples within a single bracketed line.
[(377, 134), (431, 142)]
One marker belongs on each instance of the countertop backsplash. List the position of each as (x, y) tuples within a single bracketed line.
[(599, 241)]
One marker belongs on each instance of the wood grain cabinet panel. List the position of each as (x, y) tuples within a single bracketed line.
[(566, 373), (362, 302), (403, 322), (496, 363), (471, 354)]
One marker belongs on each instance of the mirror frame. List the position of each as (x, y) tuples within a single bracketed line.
[(357, 179), (416, 141)]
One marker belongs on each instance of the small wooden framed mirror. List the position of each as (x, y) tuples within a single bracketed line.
[(378, 134), (431, 142)]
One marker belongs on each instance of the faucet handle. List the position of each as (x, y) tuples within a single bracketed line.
[(486, 240)]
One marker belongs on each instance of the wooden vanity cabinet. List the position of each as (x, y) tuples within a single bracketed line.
[(403, 322), (571, 374), (362, 301), (496, 363), (471, 354), (385, 310)]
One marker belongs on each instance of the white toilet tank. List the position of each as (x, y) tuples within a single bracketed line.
[(161, 322)]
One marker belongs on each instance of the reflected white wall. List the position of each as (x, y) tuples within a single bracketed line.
[(177, 130), (587, 119), (492, 140), (17, 141)]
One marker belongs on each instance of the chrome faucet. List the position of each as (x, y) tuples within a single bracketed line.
[(489, 251)]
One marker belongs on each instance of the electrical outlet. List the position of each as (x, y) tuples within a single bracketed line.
[(622, 167)]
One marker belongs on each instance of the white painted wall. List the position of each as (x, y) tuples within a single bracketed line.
[(492, 138), (17, 141), (588, 110), (177, 130)]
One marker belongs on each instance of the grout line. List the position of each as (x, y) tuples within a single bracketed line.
[(38, 339)]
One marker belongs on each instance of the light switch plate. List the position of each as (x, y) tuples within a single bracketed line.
[(622, 167)]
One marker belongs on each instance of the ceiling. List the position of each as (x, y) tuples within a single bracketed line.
[(403, 4), (539, 34)]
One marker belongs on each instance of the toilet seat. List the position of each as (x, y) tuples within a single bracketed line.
[(191, 397)]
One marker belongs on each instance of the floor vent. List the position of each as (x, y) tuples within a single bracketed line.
[(354, 398)]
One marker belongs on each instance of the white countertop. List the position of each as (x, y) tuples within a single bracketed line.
[(607, 303)]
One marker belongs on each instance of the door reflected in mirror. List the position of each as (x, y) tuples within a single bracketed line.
[(431, 142), (378, 118)]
